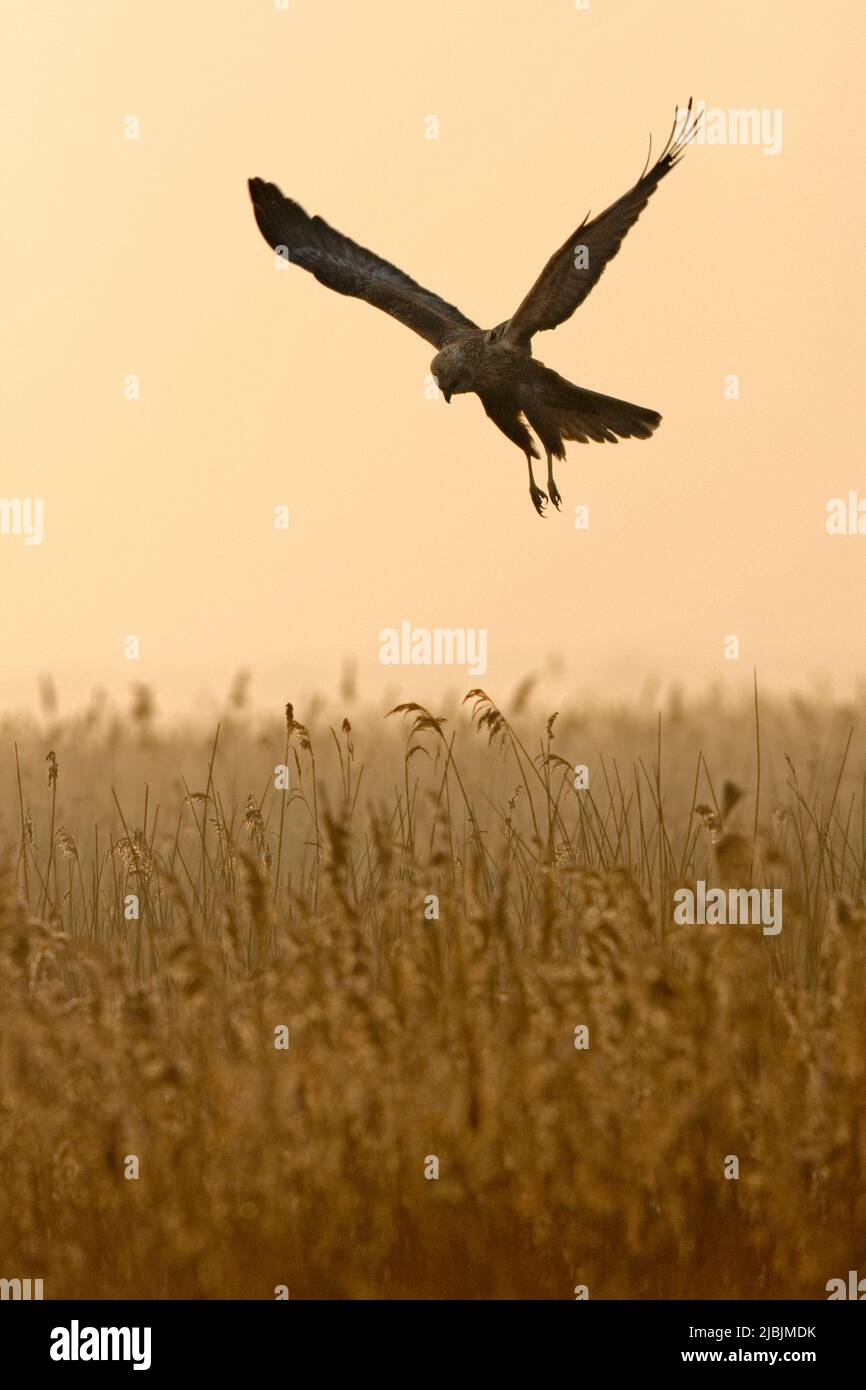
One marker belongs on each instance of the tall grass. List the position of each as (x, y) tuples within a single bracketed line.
[(413, 1035)]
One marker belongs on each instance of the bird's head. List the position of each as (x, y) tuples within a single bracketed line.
[(450, 369)]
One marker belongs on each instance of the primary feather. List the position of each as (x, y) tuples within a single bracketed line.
[(348, 268)]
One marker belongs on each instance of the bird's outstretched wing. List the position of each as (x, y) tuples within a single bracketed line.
[(577, 266), (348, 268)]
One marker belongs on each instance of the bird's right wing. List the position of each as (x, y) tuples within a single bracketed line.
[(348, 268), (577, 266)]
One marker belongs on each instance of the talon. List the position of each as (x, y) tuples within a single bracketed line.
[(551, 485), (539, 499)]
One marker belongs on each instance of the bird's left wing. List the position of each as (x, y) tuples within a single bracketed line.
[(577, 266), (348, 268)]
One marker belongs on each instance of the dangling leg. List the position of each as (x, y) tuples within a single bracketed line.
[(539, 498), (504, 411), (545, 425), (551, 485)]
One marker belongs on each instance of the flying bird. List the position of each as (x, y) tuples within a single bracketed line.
[(516, 390)]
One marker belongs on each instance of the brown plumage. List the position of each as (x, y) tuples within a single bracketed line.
[(497, 364)]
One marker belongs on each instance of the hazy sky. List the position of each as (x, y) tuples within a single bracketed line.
[(261, 388)]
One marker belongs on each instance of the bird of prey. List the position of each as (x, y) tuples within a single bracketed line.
[(515, 389)]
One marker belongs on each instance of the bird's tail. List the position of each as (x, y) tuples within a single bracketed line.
[(587, 415)]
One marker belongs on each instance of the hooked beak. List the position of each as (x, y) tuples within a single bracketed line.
[(447, 395)]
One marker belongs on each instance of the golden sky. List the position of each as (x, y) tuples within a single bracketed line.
[(261, 388)]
